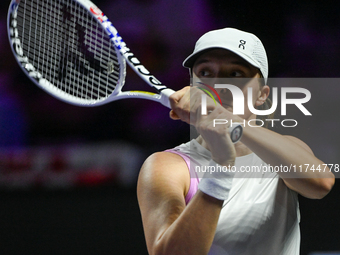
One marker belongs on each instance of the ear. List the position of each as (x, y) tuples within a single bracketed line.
[(262, 95)]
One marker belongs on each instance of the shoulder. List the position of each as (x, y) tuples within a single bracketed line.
[(164, 172), (160, 159)]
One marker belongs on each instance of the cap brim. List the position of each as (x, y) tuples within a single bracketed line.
[(190, 60)]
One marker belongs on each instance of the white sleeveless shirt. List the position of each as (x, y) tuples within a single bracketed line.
[(261, 215)]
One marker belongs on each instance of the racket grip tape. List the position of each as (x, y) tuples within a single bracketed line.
[(165, 94)]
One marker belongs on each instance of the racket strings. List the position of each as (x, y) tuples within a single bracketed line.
[(68, 47)]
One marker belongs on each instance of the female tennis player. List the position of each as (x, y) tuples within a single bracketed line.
[(236, 212)]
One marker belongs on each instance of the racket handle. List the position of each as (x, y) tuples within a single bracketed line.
[(235, 130), (165, 94)]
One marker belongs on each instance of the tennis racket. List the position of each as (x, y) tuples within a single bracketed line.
[(70, 49)]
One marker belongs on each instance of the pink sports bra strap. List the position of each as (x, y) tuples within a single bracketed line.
[(193, 177)]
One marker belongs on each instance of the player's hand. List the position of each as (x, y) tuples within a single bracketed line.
[(180, 105), (186, 105)]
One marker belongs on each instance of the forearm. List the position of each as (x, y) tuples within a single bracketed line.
[(194, 229), (278, 150)]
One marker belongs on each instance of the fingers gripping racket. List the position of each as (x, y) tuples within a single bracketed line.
[(70, 49)]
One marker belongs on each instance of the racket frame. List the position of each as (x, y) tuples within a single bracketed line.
[(123, 53)]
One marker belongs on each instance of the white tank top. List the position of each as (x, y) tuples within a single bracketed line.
[(261, 215)]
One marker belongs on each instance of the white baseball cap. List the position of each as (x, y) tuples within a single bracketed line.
[(246, 45)]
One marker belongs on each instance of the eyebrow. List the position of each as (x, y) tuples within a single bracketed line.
[(242, 63), (200, 61)]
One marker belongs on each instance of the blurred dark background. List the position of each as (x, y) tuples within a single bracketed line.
[(68, 174)]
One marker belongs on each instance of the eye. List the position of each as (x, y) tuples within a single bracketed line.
[(236, 74), (204, 73)]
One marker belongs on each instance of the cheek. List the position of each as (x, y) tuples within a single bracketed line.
[(254, 95)]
